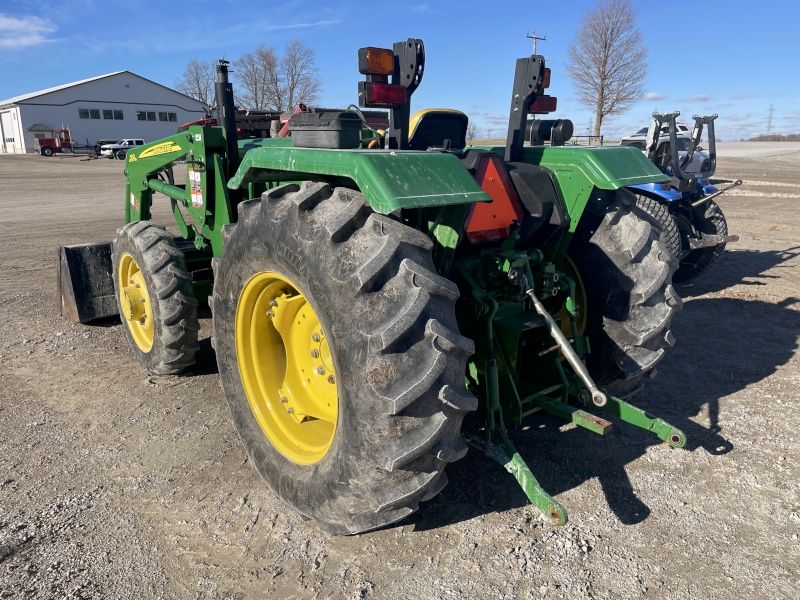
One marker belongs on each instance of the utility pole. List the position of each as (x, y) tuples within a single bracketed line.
[(769, 119), (534, 38)]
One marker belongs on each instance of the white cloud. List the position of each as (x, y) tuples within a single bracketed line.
[(425, 8), (792, 118), (741, 96), (496, 119), (697, 98), (298, 25), (737, 118), (654, 96), (24, 32)]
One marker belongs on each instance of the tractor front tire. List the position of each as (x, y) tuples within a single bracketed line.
[(706, 218), (627, 273), (367, 432), (154, 294)]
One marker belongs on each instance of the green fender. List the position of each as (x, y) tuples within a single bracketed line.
[(389, 179), (580, 169)]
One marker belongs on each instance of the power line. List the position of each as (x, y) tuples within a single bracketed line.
[(535, 39)]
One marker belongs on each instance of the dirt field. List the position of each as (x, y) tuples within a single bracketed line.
[(114, 484)]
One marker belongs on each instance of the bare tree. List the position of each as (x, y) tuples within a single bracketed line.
[(197, 81), (266, 81), (608, 59), (256, 76), (300, 74), (472, 131)]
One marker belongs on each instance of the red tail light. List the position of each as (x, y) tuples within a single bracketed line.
[(492, 220), (384, 94), (544, 104)]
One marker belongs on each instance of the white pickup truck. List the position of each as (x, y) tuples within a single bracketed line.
[(120, 149)]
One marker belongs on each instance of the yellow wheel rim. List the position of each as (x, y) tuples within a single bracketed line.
[(286, 367), (581, 304), (135, 302)]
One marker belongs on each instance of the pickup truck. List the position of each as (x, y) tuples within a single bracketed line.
[(120, 149)]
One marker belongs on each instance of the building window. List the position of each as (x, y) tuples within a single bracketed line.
[(83, 113), (141, 115), (173, 117), (118, 115), (108, 114), (151, 116), (162, 116), (38, 135), (94, 113)]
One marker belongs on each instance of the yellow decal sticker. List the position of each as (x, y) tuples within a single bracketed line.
[(131, 158), (159, 149)]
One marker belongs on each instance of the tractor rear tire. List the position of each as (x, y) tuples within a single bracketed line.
[(151, 280), (670, 236), (389, 322), (627, 273), (707, 218)]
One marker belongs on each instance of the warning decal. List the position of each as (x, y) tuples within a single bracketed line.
[(196, 188)]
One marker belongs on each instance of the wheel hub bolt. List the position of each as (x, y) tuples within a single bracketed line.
[(290, 410), (273, 303), (320, 370), (315, 336), (270, 313), (315, 353), (331, 379), (284, 399)]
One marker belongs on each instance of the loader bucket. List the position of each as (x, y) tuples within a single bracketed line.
[(85, 282)]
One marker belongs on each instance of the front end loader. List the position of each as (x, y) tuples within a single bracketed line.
[(694, 228), (371, 289)]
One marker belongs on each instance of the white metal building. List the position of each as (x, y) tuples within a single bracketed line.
[(114, 106)]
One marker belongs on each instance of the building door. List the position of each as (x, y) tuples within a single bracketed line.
[(7, 130)]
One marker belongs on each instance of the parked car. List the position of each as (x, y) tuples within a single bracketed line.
[(120, 149)]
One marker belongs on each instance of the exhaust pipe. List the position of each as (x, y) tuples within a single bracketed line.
[(226, 110)]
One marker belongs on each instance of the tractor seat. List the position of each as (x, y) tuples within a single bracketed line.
[(429, 128)]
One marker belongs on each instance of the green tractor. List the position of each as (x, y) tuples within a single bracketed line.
[(370, 289)]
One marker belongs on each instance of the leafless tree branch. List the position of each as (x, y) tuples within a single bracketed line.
[(267, 81), (197, 81), (608, 59)]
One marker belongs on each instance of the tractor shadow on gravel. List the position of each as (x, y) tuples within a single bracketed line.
[(737, 267), (722, 347)]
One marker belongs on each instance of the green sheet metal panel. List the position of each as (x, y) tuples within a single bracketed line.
[(390, 179), (580, 169)]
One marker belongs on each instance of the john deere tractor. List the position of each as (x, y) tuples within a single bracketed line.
[(371, 288)]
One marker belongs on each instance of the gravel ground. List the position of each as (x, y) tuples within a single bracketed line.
[(115, 484)]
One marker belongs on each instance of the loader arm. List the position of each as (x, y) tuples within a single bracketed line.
[(203, 196)]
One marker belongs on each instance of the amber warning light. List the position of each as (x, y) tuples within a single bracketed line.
[(375, 61)]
